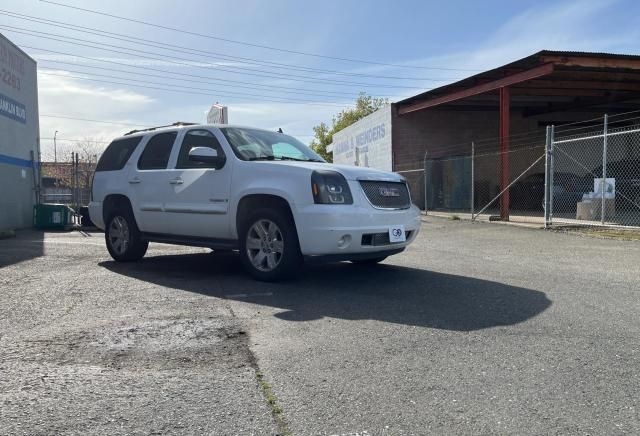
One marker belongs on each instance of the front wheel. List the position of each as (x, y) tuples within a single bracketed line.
[(123, 237), (269, 246)]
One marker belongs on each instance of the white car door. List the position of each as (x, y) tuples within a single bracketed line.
[(198, 201), (149, 183)]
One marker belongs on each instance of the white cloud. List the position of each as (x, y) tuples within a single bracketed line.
[(65, 96), (59, 86)]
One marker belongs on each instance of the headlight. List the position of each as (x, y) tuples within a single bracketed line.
[(330, 187)]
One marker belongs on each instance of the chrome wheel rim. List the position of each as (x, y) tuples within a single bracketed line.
[(119, 235), (265, 245)]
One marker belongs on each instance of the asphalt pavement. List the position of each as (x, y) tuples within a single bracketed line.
[(475, 329)]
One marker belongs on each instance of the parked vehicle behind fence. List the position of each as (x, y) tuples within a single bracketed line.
[(568, 188)]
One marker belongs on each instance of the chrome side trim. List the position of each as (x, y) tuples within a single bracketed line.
[(197, 211)]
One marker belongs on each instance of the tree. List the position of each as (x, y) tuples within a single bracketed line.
[(88, 150), (365, 105)]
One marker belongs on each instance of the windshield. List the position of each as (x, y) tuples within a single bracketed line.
[(250, 144)]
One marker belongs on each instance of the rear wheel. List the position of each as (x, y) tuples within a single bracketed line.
[(123, 237), (372, 261), (269, 246)]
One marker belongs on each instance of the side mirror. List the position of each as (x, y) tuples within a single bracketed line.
[(204, 154)]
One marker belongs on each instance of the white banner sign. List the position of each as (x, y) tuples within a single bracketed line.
[(366, 143)]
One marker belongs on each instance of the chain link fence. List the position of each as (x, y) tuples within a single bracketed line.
[(585, 173), (596, 173), (472, 184)]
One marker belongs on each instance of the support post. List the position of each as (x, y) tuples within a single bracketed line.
[(77, 181), (547, 174), (55, 147), (604, 168), (551, 172), (424, 166), (504, 152), (35, 175), (473, 156)]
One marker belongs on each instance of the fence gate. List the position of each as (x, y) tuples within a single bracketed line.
[(595, 173)]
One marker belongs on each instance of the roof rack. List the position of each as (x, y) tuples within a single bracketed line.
[(176, 124)]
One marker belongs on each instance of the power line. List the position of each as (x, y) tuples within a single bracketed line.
[(93, 121), (168, 71), (284, 101), (178, 48), (183, 31), (50, 138), (191, 62), (175, 78), (111, 122)]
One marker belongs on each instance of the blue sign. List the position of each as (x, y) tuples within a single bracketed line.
[(12, 109)]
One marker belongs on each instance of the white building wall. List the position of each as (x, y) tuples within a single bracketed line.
[(366, 143), (19, 135)]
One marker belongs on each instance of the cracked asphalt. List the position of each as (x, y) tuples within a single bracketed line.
[(475, 329)]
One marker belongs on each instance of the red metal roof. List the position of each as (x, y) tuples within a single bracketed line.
[(580, 77)]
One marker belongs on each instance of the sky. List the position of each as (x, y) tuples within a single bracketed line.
[(278, 64)]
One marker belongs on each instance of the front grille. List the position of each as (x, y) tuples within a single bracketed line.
[(387, 195), (378, 239)]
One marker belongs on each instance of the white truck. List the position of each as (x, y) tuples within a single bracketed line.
[(262, 193)]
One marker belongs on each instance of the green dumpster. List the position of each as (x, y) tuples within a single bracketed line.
[(48, 216)]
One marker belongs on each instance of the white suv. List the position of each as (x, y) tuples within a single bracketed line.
[(260, 192)]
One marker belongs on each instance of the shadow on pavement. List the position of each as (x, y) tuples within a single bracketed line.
[(26, 245), (385, 292)]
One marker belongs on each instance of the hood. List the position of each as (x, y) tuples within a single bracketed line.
[(348, 171)]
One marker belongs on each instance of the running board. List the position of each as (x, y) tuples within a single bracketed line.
[(192, 241)]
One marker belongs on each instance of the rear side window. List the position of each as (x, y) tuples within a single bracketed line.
[(117, 154), (157, 151)]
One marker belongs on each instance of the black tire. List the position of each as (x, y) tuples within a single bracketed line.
[(133, 247), (372, 261), (289, 260)]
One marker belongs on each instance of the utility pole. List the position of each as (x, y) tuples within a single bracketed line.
[(55, 148)]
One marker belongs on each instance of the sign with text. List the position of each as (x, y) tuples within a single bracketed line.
[(13, 109), (366, 143)]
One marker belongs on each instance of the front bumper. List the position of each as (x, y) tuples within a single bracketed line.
[(323, 229)]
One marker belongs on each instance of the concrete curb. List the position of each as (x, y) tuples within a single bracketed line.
[(482, 219)]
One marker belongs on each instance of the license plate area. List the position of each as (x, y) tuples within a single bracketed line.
[(396, 234)]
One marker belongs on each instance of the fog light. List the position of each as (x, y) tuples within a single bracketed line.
[(344, 241)]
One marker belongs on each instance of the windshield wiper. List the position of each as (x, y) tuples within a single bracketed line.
[(292, 158), (261, 158), (283, 158), (299, 160)]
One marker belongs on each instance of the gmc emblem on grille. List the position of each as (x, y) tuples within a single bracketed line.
[(389, 192)]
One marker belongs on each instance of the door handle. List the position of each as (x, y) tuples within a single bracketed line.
[(134, 181), (177, 181)]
